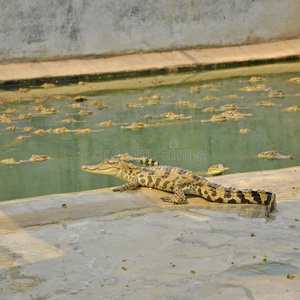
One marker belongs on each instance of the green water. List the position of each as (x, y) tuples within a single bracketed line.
[(190, 143)]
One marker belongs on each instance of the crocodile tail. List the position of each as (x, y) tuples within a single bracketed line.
[(148, 162), (271, 202), (260, 197), (218, 193)]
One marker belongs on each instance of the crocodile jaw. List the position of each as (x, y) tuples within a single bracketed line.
[(97, 169), (110, 167), (105, 170)]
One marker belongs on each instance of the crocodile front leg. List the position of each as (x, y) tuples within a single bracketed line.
[(179, 196), (127, 186)]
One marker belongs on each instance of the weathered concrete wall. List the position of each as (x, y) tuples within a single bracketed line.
[(39, 30)]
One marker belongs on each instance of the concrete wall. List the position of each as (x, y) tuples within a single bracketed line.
[(48, 29)]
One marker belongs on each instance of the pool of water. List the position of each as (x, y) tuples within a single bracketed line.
[(188, 143)]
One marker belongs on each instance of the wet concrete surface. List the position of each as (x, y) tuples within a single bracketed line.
[(104, 245)]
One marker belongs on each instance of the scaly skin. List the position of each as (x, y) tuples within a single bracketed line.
[(179, 182)]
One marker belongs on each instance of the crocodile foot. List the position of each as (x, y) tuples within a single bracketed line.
[(172, 199)]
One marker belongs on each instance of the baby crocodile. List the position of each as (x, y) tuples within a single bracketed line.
[(274, 154), (178, 181)]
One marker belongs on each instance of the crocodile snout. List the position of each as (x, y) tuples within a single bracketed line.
[(84, 167)]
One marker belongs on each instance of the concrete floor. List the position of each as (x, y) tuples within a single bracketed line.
[(105, 245)]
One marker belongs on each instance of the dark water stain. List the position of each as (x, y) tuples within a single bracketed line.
[(264, 268)]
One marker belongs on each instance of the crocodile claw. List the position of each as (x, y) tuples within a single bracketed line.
[(166, 199)]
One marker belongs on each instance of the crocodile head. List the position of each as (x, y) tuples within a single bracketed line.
[(110, 167)]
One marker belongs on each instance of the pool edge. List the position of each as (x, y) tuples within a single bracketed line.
[(152, 63)]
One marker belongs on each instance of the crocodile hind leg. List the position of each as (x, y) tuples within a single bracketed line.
[(178, 190)]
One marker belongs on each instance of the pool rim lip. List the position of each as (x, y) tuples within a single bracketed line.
[(149, 63)]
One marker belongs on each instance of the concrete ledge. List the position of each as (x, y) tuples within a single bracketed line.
[(142, 82), (150, 63)]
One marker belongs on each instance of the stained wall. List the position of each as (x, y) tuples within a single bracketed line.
[(53, 29)]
